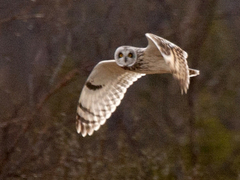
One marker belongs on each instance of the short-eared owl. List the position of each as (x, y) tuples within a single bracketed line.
[(109, 80)]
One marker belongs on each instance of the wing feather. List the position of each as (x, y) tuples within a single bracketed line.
[(101, 94), (174, 56)]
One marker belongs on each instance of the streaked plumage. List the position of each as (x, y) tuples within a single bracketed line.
[(109, 80)]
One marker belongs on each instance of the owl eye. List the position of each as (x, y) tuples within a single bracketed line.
[(130, 55), (120, 55)]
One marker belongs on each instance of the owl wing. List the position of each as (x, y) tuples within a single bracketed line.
[(175, 57), (101, 94)]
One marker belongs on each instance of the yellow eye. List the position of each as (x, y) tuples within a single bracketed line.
[(120, 55), (130, 55)]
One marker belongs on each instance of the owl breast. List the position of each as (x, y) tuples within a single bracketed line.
[(150, 64)]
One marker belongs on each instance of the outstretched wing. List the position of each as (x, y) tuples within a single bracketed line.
[(101, 94), (174, 56)]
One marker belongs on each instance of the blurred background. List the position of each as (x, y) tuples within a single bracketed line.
[(47, 50)]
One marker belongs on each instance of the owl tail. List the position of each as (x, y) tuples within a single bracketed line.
[(193, 72)]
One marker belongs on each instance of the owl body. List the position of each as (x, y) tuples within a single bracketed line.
[(152, 64), (146, 62), (109, 80)]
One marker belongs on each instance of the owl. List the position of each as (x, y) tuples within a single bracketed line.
[(109, 80)]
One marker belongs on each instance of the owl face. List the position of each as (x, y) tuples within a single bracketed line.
[(125, 56)]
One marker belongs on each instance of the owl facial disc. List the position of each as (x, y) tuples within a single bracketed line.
[(125, 56)]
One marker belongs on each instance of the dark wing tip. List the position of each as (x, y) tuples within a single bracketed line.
[(83, 126)]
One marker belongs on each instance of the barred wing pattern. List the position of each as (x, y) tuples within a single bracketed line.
[(101, 94), (175, 57)]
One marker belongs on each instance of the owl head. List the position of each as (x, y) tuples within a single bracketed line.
[(125, 56)]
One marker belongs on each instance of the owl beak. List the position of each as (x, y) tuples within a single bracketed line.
[(125, 59)]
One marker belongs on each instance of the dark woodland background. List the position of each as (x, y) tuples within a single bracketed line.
[(49, 47)]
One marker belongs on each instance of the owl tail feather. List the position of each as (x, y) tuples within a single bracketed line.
[(193, 72)]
